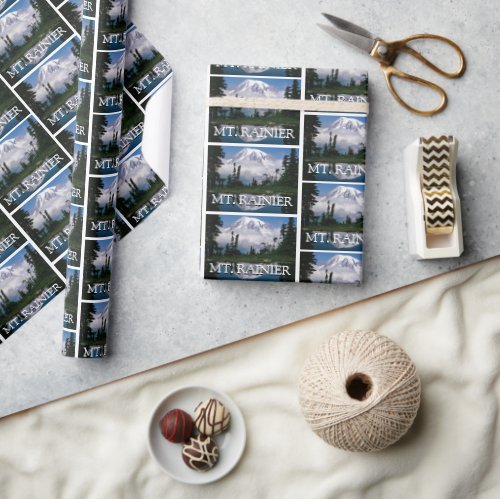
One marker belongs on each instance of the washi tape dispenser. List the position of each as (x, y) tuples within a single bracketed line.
[(432, 202)]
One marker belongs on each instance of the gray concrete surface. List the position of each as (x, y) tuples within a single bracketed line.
[(162, 310)]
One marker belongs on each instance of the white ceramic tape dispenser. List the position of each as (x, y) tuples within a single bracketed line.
[(432, 202)]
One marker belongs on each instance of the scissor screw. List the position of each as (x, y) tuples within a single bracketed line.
[(382, 50)]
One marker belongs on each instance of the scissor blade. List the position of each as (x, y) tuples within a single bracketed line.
[(350, 33)]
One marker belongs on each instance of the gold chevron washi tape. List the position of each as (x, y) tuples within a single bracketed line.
[(439, 206)]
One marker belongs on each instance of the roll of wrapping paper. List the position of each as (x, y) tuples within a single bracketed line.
[(94, 177)]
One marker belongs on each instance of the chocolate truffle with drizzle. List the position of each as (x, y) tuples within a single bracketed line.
[(176, 426), (211, 417), (200, 453)]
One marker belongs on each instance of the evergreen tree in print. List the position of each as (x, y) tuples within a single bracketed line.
[(90, 255), (232, 247), (45, 13), (78, 171), (98, 132), (75, 50), (218, 87), (141, 62), (69, 346), (88, 313), (39, 266), (66, 139), (312, 79), (312, 125), (219, 113), (308, 263), (290, 169), (310, 195), (117, 22), (293, 91), (87, 46), (72, 286), (52, 226), (26, 90), (364, 82), (214, 163), (212, 232), (216, 69), (362, 150), (76, 227), (41, 144), (71, 11), (288, 235), (82, 115), (104, 63), (96, 190), (23, 218), (293, 72)]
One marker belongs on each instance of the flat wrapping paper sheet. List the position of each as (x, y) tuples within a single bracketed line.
[(43, 192), (162, 309), (93, 445)]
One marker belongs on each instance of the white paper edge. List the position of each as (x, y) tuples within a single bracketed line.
[(157, 127)]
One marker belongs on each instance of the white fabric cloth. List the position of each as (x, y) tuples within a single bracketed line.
[(93, 445)]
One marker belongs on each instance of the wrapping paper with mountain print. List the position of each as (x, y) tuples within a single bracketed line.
[(43, 202), (94, 178), (285, 174)]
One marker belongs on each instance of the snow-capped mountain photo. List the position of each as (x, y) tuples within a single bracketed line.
[(254, 69), (16, 150), (256, 89), (258, 164), (53, 202), (252, 232), (55, 76), (17, 276), (250, 247), (343, 268), (346, 132), (348, 201), (15, 25), (137, 170)]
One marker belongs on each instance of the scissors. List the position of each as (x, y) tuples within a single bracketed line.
[(386, 53)]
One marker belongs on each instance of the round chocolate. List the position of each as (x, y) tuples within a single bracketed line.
[(200, 453), (211, 417), (176, 426)]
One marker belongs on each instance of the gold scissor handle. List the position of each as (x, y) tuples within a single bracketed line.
[(391, 72), (386, 52)]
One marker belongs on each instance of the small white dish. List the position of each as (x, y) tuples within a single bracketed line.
[(169, 456)]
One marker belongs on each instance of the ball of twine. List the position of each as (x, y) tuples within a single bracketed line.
[(359, 391)]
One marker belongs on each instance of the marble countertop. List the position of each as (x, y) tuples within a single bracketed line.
[(162, 310)]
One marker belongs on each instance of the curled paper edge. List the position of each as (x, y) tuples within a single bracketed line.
[(157, 131)]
